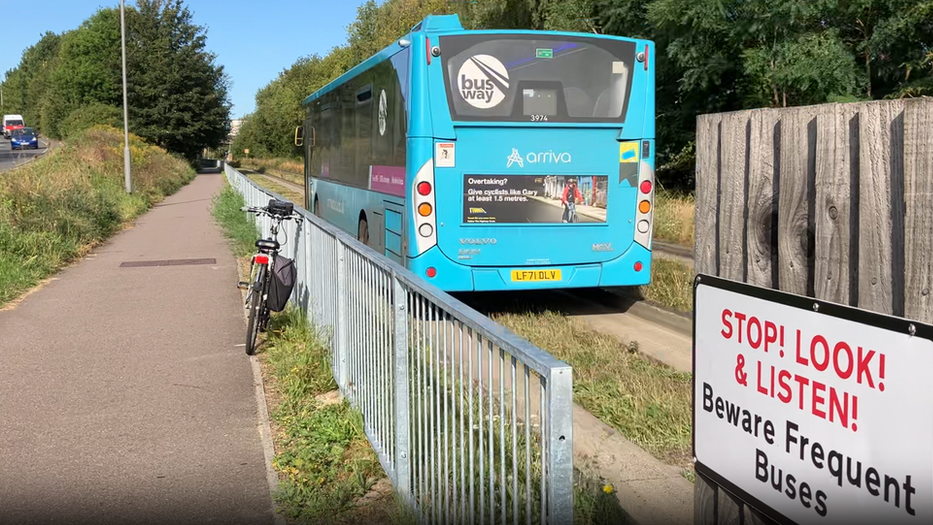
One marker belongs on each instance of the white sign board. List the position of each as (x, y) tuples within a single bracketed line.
[(813, 412)]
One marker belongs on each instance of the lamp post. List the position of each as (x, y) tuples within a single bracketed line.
[(126, 125)]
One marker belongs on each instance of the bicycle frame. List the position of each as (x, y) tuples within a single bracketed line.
[(264, 256)]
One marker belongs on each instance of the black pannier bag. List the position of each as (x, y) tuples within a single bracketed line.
[(283, 280)]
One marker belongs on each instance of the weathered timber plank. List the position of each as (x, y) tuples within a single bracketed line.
[(706, 235), (705, 496), (881, 172), (753, 518), (763, 162), (729, 509), (918, 220), (837, 146), (797, 143), (733, 180)]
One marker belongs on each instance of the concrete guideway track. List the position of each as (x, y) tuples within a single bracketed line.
[(126, 394)]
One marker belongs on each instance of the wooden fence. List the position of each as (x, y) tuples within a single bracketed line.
[(832, 201)]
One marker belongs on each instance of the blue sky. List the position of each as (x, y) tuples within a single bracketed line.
[(253, 40)]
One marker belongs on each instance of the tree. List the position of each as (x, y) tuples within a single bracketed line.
[(711, 56), (87, 70), (178, 95)]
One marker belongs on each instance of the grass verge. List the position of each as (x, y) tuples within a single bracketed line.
[(674, 217), (671, 284), (328, 472), (55, 209), (649, 404), (234, 223)]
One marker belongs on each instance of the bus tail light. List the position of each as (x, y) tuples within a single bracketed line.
[(644, 213), (638, 266), (428, 49), (431, 272), (647, 48), (422, 208)]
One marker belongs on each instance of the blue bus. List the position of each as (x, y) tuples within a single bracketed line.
[(492, 160)]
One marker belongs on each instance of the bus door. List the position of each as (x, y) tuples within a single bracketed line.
[(394, 231)]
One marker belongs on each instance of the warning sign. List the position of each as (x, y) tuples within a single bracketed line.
[(812, 412), (444, 156)]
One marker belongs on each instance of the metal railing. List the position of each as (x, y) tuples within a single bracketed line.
[(471, 423)]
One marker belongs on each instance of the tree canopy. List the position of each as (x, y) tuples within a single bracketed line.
[(714, 55), (178, 95)]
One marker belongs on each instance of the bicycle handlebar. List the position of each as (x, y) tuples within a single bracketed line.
[(264, 210)]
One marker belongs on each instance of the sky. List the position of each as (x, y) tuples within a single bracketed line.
[(253, 40)]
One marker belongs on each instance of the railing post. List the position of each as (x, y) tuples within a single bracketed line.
[(560, 446), (402, 416), (342, 313)]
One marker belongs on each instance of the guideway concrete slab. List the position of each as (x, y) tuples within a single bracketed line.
[(123, 393)]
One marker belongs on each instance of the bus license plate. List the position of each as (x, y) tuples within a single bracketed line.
[(535, 275)]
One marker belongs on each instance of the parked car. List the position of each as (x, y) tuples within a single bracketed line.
[(23, 138), (11, 123)]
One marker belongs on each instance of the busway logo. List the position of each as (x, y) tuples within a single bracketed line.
[(483, 81)]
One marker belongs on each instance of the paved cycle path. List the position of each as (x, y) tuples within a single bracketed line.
[(124, 397)]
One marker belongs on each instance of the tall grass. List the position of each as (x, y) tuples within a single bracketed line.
[(241, 232), (671, 284), (55, 209), (674, 217)]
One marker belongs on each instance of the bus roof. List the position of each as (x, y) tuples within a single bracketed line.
[(438, 24)]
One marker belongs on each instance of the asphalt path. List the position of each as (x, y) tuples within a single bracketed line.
[(10, 158), (125, 393)]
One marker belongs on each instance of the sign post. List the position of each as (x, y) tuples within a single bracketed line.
[(812, 412)]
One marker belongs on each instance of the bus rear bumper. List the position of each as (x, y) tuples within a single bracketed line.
[(621, 270), (451, 276)]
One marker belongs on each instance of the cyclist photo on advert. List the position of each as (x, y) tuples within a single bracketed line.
[(569, 199)]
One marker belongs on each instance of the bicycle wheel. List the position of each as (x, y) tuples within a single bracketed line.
[(255, 310)]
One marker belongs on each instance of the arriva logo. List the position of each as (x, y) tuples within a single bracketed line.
[(542, 157), (478, 241)]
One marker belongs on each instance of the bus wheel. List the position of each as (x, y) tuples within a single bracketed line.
[(363, 233)]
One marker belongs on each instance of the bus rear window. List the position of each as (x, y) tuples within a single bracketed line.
[(528, 78)]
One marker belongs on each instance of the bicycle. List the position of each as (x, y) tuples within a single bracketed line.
[(570, 212), (262, 267)]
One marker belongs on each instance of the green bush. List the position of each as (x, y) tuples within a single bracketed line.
[(89, 116)]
